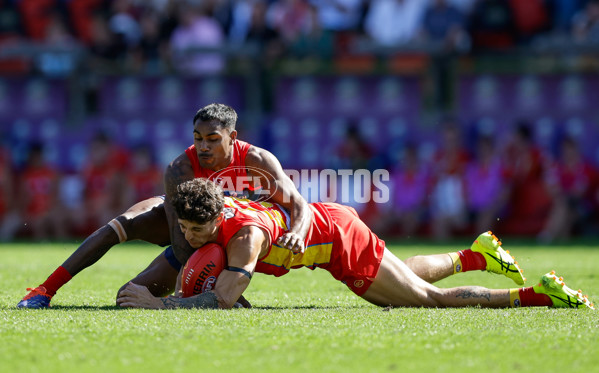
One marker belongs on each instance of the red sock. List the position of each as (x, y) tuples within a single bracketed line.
[(528, 298), (58, 278), (472, 261)]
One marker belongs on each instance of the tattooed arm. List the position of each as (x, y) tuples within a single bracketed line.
[(178, 171)]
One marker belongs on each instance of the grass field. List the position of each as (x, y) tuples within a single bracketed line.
[(304, 321)]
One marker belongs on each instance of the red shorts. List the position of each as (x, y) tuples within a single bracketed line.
[(357, 251)]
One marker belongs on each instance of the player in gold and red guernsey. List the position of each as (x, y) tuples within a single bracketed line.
[(339, 242), (241, 169)]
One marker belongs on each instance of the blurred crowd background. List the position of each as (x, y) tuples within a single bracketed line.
[(485, 112)]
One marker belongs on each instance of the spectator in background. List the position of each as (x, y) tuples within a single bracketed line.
[(492, 25), (411, 186), (242, 13), (221, 11), (169, 19), (82, 14), (525, 170), (123, 23), (151, 51), (572, 187), (445, 25), (394, 22), (197, 29), (290, 18), (107, 51), (104, 180), (585, 25), (448, 202), (37, 197), (261, 35), (354, 152), (57, 35), (144, 177), (36, 15), (314, 42), (530, 18), (486, 191), (339, 15)]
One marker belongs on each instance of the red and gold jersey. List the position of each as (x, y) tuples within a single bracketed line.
[(337, 241), (274, 220), (240, 212)]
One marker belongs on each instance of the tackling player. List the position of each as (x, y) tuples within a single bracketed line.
[(216, 154), (341, 243)]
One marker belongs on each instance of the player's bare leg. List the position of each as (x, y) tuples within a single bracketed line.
[(397, 285), (431, 268), (485, 253), (145, 221)]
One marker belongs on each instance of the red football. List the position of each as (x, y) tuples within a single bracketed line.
[(202, 269)]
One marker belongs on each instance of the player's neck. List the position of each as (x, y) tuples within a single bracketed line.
[(224, 163)]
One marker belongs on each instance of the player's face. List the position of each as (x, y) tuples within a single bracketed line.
[(214, 144), (197, 235)]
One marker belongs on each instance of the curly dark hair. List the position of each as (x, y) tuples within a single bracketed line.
[(226, 115), (198, 200)]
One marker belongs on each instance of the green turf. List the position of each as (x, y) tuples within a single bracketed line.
[(304, 321)]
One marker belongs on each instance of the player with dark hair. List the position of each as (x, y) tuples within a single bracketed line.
[(216, 154), (339, 242)]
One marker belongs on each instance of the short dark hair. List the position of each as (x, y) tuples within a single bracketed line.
[(226, 115), (198, 200)]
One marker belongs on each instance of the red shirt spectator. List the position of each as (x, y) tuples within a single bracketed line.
[(144, 176), (39, 205), (104, 180)]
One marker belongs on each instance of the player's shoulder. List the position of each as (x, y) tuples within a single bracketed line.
[(180, 167), (182, 160), (257, 156)]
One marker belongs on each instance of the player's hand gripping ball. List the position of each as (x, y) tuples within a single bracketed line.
[(202, 269)]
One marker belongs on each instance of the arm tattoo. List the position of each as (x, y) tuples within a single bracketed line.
[(176, 173), (204, 300), (474, 292), (173, 177)]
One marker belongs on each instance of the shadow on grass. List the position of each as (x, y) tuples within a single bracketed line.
[(89, 308), (262, 308), (67, 308), (308, 307)]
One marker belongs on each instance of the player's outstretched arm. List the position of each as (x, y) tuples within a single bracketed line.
[(178, 171), (243, 252), (283, 192)]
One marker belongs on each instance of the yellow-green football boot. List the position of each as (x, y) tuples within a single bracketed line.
[(561, 295), (498, 260)]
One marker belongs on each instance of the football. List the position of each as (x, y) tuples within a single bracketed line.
[(202, 270)]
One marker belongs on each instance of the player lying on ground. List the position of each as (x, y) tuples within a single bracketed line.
[(341, 243), (216, 154)]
